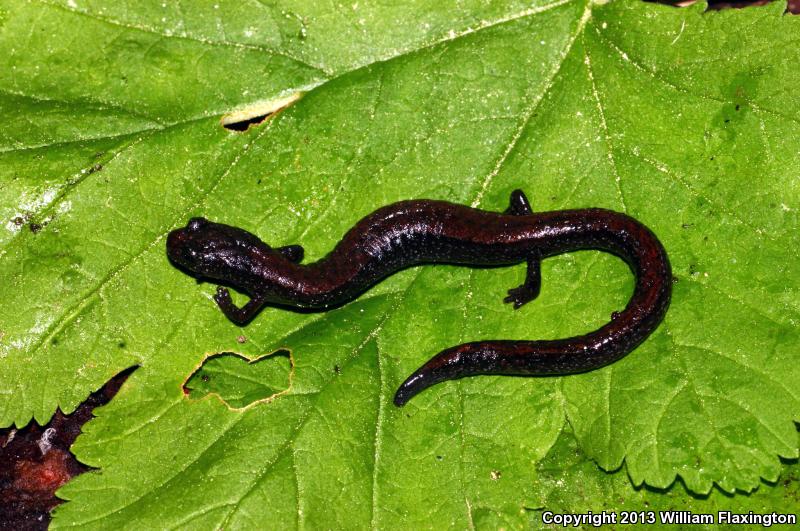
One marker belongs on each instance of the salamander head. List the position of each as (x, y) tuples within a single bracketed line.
[(215, 251)]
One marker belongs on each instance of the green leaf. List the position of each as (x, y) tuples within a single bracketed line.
[(240, 382), (569, 482), (630, 106)]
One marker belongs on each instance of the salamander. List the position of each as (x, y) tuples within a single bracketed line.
[(413, 232)]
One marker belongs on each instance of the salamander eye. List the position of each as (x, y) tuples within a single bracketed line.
[(197, 223)]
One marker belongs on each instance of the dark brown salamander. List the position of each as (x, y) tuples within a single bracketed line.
[(425, 231)]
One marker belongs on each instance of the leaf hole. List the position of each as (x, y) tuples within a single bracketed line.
[(244, 125), (256, 114), (240, 382)]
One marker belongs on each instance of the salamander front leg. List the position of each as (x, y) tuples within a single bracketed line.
[(240, 316)]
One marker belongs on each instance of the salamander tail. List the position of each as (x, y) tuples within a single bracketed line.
[(456, 362), (414, 384)]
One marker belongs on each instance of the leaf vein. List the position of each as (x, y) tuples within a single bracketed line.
[(183, 36)]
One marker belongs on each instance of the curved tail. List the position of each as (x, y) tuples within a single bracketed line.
[(528, 358), (542, 358), (615, 233)]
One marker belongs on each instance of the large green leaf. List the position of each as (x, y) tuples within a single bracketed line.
[(635, 107)]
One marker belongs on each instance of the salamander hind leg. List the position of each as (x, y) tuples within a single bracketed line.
[(240, 316), (529, 289), (518, 204)]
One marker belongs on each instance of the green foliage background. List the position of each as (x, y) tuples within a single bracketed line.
[(112, 137)]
